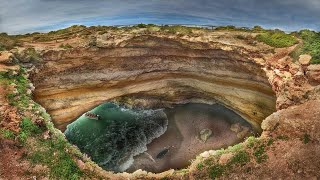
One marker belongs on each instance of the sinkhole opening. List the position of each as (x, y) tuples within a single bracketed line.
[(124, 139)]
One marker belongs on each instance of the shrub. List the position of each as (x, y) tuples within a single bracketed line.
[(200, 166), (8, 42), (233, 28), (277, 39), (260, 153), (141, 25), (240, 158), (257, 29), (311, 45), (306, 138), (65, 46), (217, 171), (177, 29)]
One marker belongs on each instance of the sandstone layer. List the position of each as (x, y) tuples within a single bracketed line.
[(163, 71)]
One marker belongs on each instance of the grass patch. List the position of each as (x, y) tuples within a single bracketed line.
[(200, 166), (21, 99), (240, 158), (217, 171), (28, 128), (7, 134), (283, 137), (253, 148), (260, 153), (277, 39), (52, 154)]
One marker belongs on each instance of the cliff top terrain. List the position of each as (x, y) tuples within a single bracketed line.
[(268, 77)]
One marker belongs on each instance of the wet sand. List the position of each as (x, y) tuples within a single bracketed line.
[(182, 137)]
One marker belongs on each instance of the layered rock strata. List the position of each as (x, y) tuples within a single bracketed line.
[(168, 71)]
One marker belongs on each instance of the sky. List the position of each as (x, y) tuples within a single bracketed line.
[(25, 16)]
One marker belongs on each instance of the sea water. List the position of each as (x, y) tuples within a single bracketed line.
[(120, 134)]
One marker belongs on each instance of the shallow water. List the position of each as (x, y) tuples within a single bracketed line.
[(117, 141)]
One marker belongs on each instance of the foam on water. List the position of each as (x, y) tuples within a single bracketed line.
[(119, 135)]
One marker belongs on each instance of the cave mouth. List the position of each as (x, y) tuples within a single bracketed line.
[(124, 139)]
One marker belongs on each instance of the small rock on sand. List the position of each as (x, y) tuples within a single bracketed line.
[(243, 133), (205, 154), (235, 127), (205, 134)]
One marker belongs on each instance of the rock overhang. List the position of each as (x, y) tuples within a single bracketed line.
[(69, 83)]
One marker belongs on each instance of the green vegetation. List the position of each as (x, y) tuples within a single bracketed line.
[(71, 29), (232, 28), (27, 129), (200, 166), (28, 55), (65, 46), (177, 29), (20, 98), (7, 134), (141, 25), (59, 34), (277, 39), (253, 148), (258, 146), (8, 42), (311, 45), (217, 171), (260, 153), (54, 152), (240, 158), (306, 138), (283, 137)]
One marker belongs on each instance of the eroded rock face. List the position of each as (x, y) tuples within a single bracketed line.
[(69, 83)]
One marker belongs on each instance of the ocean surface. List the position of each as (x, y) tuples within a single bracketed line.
[(119, 134)]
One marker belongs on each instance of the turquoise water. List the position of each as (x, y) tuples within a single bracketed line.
[(119, 135)]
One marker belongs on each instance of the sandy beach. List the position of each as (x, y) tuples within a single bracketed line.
[(182, 137)]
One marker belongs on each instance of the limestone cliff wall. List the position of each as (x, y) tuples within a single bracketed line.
[(69, 83)]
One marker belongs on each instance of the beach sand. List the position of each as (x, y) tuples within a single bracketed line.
[(182, 137)]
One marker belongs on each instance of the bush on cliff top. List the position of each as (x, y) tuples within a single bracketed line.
[(8, 42), (277, 39), (311, 44)]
